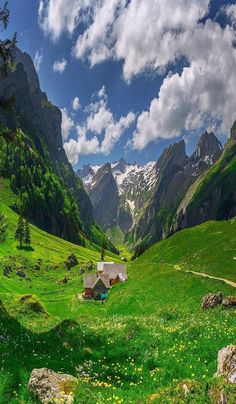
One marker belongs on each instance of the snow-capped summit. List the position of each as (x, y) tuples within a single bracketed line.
[(133, 184)]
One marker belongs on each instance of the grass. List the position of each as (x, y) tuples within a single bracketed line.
[(143, 345)]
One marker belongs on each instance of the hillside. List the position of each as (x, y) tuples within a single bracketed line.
[(150, 337), (213, 196), (33, 158)]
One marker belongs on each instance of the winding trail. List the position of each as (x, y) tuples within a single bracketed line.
[(231, 283)]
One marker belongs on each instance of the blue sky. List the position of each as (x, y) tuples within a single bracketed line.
[(146, 73)]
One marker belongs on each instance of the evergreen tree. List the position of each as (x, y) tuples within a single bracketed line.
[(27, 238), (7, 50), (20, 231), (3, 227)]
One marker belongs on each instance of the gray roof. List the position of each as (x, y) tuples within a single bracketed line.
[(113, 270), (90, 280)]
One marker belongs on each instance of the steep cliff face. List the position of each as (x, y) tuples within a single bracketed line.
[(104, 196), (40, 123), (134, 182), (213, 195), (177, 173)]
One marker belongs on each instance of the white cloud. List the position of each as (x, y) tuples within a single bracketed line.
[(150, 35), (67, 124), (203, 93), (59, 65), (231, 12), (76, 104), (102, 92), (38, 59), (100, 122), (55, 17)]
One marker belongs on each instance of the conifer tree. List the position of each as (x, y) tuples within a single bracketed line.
[(27, 238), (20, 231), (7, 53), (3, 227)]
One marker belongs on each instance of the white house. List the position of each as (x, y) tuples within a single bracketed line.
[(117, 272), (100, 265)]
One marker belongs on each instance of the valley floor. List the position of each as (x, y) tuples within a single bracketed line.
[(148, 340)]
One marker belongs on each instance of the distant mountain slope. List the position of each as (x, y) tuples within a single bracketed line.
[(213, 196), (52, 196), (118, 191), (177, 172), (142, 199)]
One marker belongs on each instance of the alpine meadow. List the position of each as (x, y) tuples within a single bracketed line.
[(118, 201)]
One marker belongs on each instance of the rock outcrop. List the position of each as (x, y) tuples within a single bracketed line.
[(213, 195), (176, 173), (104, 196), (212, 300), (134, 182), (229, 302), (51, 387), (226, 366)]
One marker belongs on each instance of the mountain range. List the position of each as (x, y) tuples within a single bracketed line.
[(143, 200)]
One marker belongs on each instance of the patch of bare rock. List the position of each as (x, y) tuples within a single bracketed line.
[(51, 387), (212, 300)]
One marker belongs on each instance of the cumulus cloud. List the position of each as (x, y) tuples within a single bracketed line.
[(67, 124), (59, 65), (100, 131), (76, 104), (231, 13), (202, 93), (38, 59), (150, 36), (56, 18)]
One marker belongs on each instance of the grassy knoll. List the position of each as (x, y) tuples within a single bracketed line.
[(143, 345)]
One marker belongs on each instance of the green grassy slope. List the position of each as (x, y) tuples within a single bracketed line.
[(213, 195), (150, 337)]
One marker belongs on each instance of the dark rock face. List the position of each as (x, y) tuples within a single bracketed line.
[(41, 120), (177, 173), (124, 218), (215, 196), (207, 152), (104, 196), (85, 171)]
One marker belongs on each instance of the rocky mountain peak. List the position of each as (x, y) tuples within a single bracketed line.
[(209, 147), (175, 154), (120, 165), (24, 59)]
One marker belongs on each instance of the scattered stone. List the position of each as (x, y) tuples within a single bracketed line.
[(50, 387), (186, 389), (21, 273), (227, 363), (212, 300), (229, 302), (71, 261), (65, 280), (7, 271), (81, 271), (222, 398), (124, 259)]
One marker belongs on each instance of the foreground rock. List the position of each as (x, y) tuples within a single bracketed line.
[(229, 302), (227, 363), (212, 300), (51, 387)]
